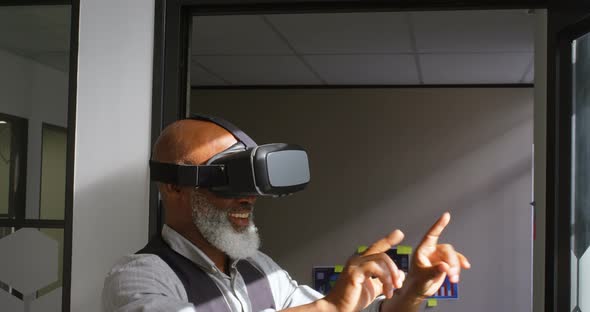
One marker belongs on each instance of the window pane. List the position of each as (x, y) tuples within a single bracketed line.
[(58, 236), (5, 134), (580, 256), (34, 58), (13, 140), (53, 172), (34, 75), (30, 269)]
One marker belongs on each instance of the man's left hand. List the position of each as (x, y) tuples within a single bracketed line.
[(430, 264)]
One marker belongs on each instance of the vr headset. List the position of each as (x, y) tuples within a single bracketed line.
[(244, 169)]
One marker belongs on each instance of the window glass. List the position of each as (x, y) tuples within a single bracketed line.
[(31, 269), (5, 134), (53, 172), (580, 222), (34, 75)]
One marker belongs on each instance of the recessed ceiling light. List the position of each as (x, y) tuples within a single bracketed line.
[(2, 122)]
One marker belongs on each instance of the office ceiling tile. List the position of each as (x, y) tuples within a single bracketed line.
[(40, 14), (43, 33), (259, 70), (41, 29), (56, 60), (235, 35), (365, 69), (474, 68), (344, 33), (474, 31), (200, 77), (364, 48)]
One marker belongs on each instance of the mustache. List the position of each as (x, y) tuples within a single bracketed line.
[(243, 206)]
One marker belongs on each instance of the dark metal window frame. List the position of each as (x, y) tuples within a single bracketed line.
[(170, 92), (66, 224), (564, 26), (368, 86)]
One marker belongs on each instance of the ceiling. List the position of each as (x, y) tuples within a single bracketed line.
[(373, 48), (39, 32)]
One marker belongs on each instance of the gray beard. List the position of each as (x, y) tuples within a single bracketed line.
[(214, 225)]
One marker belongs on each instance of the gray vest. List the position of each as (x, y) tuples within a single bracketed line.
[(201, 290)]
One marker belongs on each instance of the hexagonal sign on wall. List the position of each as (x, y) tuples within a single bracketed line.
[(29, 260), (48, 303), (10, 303)]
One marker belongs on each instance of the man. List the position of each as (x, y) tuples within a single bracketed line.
[(208, 235)]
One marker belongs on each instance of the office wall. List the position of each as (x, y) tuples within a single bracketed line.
[(383, 159), (38, 93), (110, 214)]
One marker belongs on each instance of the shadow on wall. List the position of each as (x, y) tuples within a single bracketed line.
[(100, 243), (385, 159)]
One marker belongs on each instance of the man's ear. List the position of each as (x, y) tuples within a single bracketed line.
[(170, 189)]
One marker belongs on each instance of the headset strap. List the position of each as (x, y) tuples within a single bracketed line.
[(188, 175), (203, 175), (235, 131)]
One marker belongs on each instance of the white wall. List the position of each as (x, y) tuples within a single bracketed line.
[(38, 93), (384, 159), (110, 214), (540, 139)]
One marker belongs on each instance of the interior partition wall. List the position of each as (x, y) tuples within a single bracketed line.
[(38, 57), (113, 107)]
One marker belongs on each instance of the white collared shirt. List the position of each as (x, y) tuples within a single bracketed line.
[(144, 282)]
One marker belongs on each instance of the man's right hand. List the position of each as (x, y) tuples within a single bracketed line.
[(367, 276)]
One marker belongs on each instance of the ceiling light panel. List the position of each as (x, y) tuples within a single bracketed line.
[(345, 33), (474, 31), (235, 35)]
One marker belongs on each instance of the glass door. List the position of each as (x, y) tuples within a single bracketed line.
[(580, 175), (567, 281), (34, 79)]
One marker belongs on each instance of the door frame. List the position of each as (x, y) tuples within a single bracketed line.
[(564, 26), (171, 88)]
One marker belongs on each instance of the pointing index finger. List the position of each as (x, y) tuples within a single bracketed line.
[(385, 243), (431, 237)]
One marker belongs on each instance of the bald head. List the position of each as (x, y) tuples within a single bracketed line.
[(191, 142)]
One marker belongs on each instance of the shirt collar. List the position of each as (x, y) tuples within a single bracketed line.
[(187, 249)]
